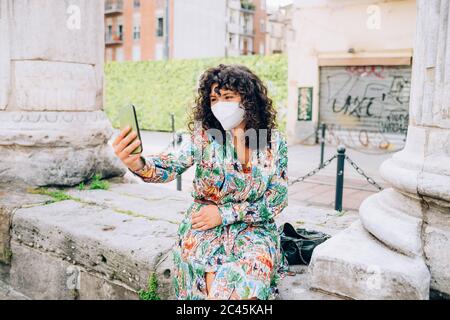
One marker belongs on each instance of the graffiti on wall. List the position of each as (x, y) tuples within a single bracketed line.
[(366, 106)]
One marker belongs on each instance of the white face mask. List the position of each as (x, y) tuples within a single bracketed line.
[(229, 114)]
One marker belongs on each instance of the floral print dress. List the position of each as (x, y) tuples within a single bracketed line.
[(244, 251)]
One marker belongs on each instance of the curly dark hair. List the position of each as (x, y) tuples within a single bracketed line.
[(259, 110)]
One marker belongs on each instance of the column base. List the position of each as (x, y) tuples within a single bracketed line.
[(354, 264), (56, 148)]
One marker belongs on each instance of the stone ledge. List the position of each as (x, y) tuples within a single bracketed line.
[(115, 239), (355, 265), (13, 197), (101, 240), (47, 276)]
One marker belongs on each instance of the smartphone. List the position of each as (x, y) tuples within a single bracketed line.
[(127, 117)]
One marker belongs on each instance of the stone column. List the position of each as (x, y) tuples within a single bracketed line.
[(52, 127), (400, 248)]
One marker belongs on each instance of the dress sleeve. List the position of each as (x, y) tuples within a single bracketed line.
[(166, 166), (273, 201)]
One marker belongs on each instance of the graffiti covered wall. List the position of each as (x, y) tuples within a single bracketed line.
[(365, 106)]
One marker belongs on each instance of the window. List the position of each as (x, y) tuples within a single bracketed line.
[(136, 26), (120, 31), (160, 27), (137, 32), (137, 4), (109, 33)]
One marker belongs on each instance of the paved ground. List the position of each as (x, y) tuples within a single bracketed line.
[(318, 190)]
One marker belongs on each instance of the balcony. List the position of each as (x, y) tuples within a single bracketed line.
[(113, 39), (113, 7), (247, 6)]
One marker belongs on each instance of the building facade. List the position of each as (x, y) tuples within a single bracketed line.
[(279, 29), (350, 68), (136, 29), (183, 29)]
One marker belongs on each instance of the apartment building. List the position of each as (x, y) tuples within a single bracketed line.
[(136, 29), (279, 29), (183, 29)]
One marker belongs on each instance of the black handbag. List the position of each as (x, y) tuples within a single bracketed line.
[(298, 245)]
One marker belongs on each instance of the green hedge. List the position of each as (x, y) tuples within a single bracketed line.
[(159, 88)]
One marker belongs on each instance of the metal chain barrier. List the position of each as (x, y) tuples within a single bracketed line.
[(313, 172), (361, 172)]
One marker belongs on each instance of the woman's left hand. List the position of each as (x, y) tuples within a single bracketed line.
[(206, 218)]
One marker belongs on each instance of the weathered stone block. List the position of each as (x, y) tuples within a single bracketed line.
[(39, 276), (12, 197), (57, 166), (437, 251), (8, 293), (437, 248), (116, 244), (96, 287), (55, 86), (5, 224), (67, 147), (54, 129), (354, 264), (55, 30), (44, 276)]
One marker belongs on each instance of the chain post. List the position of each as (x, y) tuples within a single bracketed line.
[(339, 178), (323, 128), (179, 184), (175, 141)]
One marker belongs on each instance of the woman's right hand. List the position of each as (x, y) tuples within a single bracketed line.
[(123, 149)]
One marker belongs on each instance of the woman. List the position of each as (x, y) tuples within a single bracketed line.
[(228, 246)]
